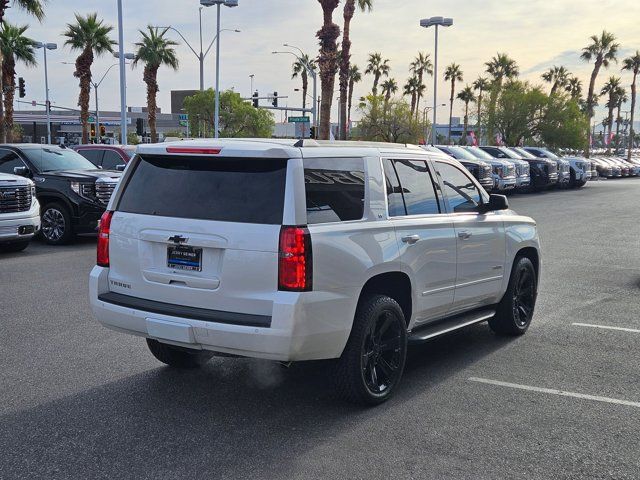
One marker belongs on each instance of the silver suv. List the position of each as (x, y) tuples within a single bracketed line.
[(308, 251), (19, 210)]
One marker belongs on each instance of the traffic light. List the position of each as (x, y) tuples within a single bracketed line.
[(256, 102), (21, 89), (312, 132), (275, 99), (139, 127), (103, 131), (93, 130)]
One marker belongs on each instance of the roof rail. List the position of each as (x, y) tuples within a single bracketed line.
[(307, 143)]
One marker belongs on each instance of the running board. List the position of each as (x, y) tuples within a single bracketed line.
[(447, 325)]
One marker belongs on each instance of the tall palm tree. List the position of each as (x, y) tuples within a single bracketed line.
[(574, 87), (300, 68), (90, 36), (389, 87), (355, 76), (611, 89), (155, 50), (500, 67), (377, 67), (327, 63), (467, 96), (35, 8), (621, 97), (481, 85), (15, 47), (453, 74), (345, 56), (602, 50), (632, 64), (557, 77), (411, 88), (421, 65)]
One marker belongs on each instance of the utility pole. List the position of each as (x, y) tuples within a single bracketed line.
[(123, 77)]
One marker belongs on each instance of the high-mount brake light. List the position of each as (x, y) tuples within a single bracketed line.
[(103, 239), (194, 150), (295, 260)]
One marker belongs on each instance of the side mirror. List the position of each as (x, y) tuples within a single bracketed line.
[(21, 171), (496, 202), (120, 168)]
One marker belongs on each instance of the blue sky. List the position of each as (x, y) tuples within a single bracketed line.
[(536, 33)]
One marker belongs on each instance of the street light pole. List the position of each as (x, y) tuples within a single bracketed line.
[(123, 77), (96, 85), (47, 46), (314, 76), (217, 108), (435, 22), (201, 56)]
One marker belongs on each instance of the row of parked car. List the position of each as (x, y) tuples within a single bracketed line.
[(505, 169), (60, 192)]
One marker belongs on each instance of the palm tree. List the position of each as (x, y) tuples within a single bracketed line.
[(327, 63), (90, 36), (377, 67), (453, 74), (411, 88), (389, 87), (354, 77), (557, 77), (621, 97), (611, 89), (15, 46), (35, 8), (574, 87), (500, 67), (632, 64), (421, 65), (300, 68), (481, 84), (345, 56), (467, 96), (154, 51), (602, 50)]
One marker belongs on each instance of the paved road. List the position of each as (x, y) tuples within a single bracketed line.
[(79, 401)]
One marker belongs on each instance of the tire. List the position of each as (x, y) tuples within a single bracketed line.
[(56, 226), (373, 360), (515, 310), (14, 247), (178, 357)]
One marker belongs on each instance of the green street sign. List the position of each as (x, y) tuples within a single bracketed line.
[(184, 123), (92, 119), (299, 120)]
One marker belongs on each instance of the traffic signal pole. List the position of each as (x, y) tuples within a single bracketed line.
[(46, 87)]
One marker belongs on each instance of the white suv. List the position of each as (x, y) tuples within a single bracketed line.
[(19, 212), (306, 251)]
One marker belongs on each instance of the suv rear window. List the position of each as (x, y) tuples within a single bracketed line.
[(335, 189), (241, 190)]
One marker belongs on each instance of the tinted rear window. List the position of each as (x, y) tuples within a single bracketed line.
[(223, 189), (335, 189)]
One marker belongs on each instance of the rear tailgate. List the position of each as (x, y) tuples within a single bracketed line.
[(199, 232)]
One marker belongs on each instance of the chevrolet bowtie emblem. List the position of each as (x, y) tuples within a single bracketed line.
[(177, 239)]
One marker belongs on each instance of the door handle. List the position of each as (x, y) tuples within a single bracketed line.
[(411, 239), (464, 235)]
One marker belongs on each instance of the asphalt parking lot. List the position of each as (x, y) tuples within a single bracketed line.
[(80, 401)]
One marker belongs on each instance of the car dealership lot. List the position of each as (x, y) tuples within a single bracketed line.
[(79, 401)]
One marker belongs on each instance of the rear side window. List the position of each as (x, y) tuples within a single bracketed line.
[(93, 155), (238, 190), (335, 189), (462, 193), (413, 186)]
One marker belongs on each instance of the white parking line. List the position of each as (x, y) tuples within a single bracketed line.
[(553, 391), (606, 327)]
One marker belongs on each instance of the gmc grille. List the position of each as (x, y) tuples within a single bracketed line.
[(104, 190), (15, 199)]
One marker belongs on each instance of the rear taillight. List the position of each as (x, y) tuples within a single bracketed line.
[(295, 261), (103, 239)]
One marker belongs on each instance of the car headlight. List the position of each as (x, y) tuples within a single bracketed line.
[(85, 190)]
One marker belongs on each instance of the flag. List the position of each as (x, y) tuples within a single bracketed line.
[(474, 139)]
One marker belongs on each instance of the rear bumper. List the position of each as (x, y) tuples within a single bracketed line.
[(21, 228), (303, 326)]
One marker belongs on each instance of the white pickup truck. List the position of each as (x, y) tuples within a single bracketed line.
[(295, 251), (19, 212)]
